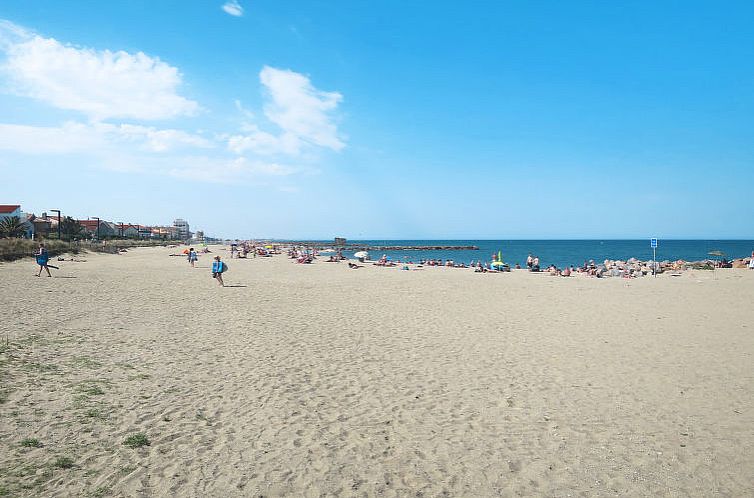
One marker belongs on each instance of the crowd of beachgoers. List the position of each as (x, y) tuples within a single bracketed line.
[(630, 268)]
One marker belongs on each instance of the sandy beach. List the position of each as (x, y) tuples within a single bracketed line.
[(316, 380)]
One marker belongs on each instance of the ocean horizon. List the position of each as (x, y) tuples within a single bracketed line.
[(560, 252)]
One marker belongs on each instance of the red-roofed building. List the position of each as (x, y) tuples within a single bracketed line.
[(105, 228), (11, 210), (7, 210), (127, 230)]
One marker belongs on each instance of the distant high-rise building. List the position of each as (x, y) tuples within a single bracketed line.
[(182, 231)]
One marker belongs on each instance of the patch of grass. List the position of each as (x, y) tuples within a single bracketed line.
[(101, 491), (94, 413), (139, 377), (41, 367), (31, 442), (63, 462), (127, 469), (25, 470), (85, 362), (90, 388), (137, 440), (80, 401)]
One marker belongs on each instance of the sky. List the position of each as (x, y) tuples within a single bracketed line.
[(383, 120)]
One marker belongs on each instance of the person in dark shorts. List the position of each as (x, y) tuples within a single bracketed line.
[(218, 267), (192, 257), (42, 258)]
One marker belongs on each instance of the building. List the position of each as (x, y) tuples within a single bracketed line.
[(9, 210), (182, 231), (35, 227), (98, 228), (167, 233), (127, 230), (145, 232)]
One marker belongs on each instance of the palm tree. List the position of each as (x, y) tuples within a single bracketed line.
[(12, 227)]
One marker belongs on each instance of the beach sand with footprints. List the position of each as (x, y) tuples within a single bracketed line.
[(135, 375)]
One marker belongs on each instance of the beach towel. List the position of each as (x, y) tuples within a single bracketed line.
[(43, 258)]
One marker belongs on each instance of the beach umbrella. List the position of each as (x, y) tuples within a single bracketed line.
[(361, 254), (717, 254)]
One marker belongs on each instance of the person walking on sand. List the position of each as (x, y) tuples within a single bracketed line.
[(218, 267), (192, 257), (42, 258)]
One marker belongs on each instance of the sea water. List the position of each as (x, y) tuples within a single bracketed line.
[(559, 252)]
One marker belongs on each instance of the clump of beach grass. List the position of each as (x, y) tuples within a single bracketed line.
[(101, 491), (137, 440), (90, 389), (63, 462), (30, 442), (16, 248), (85, 362)]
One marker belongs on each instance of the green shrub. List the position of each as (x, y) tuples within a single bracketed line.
[(31, 442), (63, 462), (137, 440)]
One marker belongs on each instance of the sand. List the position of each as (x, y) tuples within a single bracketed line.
[(317, 380)]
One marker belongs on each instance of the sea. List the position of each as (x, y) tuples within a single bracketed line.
[(560, 252)]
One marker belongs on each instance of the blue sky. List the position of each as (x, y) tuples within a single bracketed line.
[(386, 119)]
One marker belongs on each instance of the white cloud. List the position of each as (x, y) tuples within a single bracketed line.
[(296, 120), (66, 139), (264, 143), (140, 149), (100, 84), (96, 138), (233, 8), (301, 111), (160, 140), (240, 169), (299, 108)]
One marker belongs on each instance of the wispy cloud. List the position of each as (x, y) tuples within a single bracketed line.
[(101, 84), (97, 138), (239, 169), (301, 112), (233, 8)]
